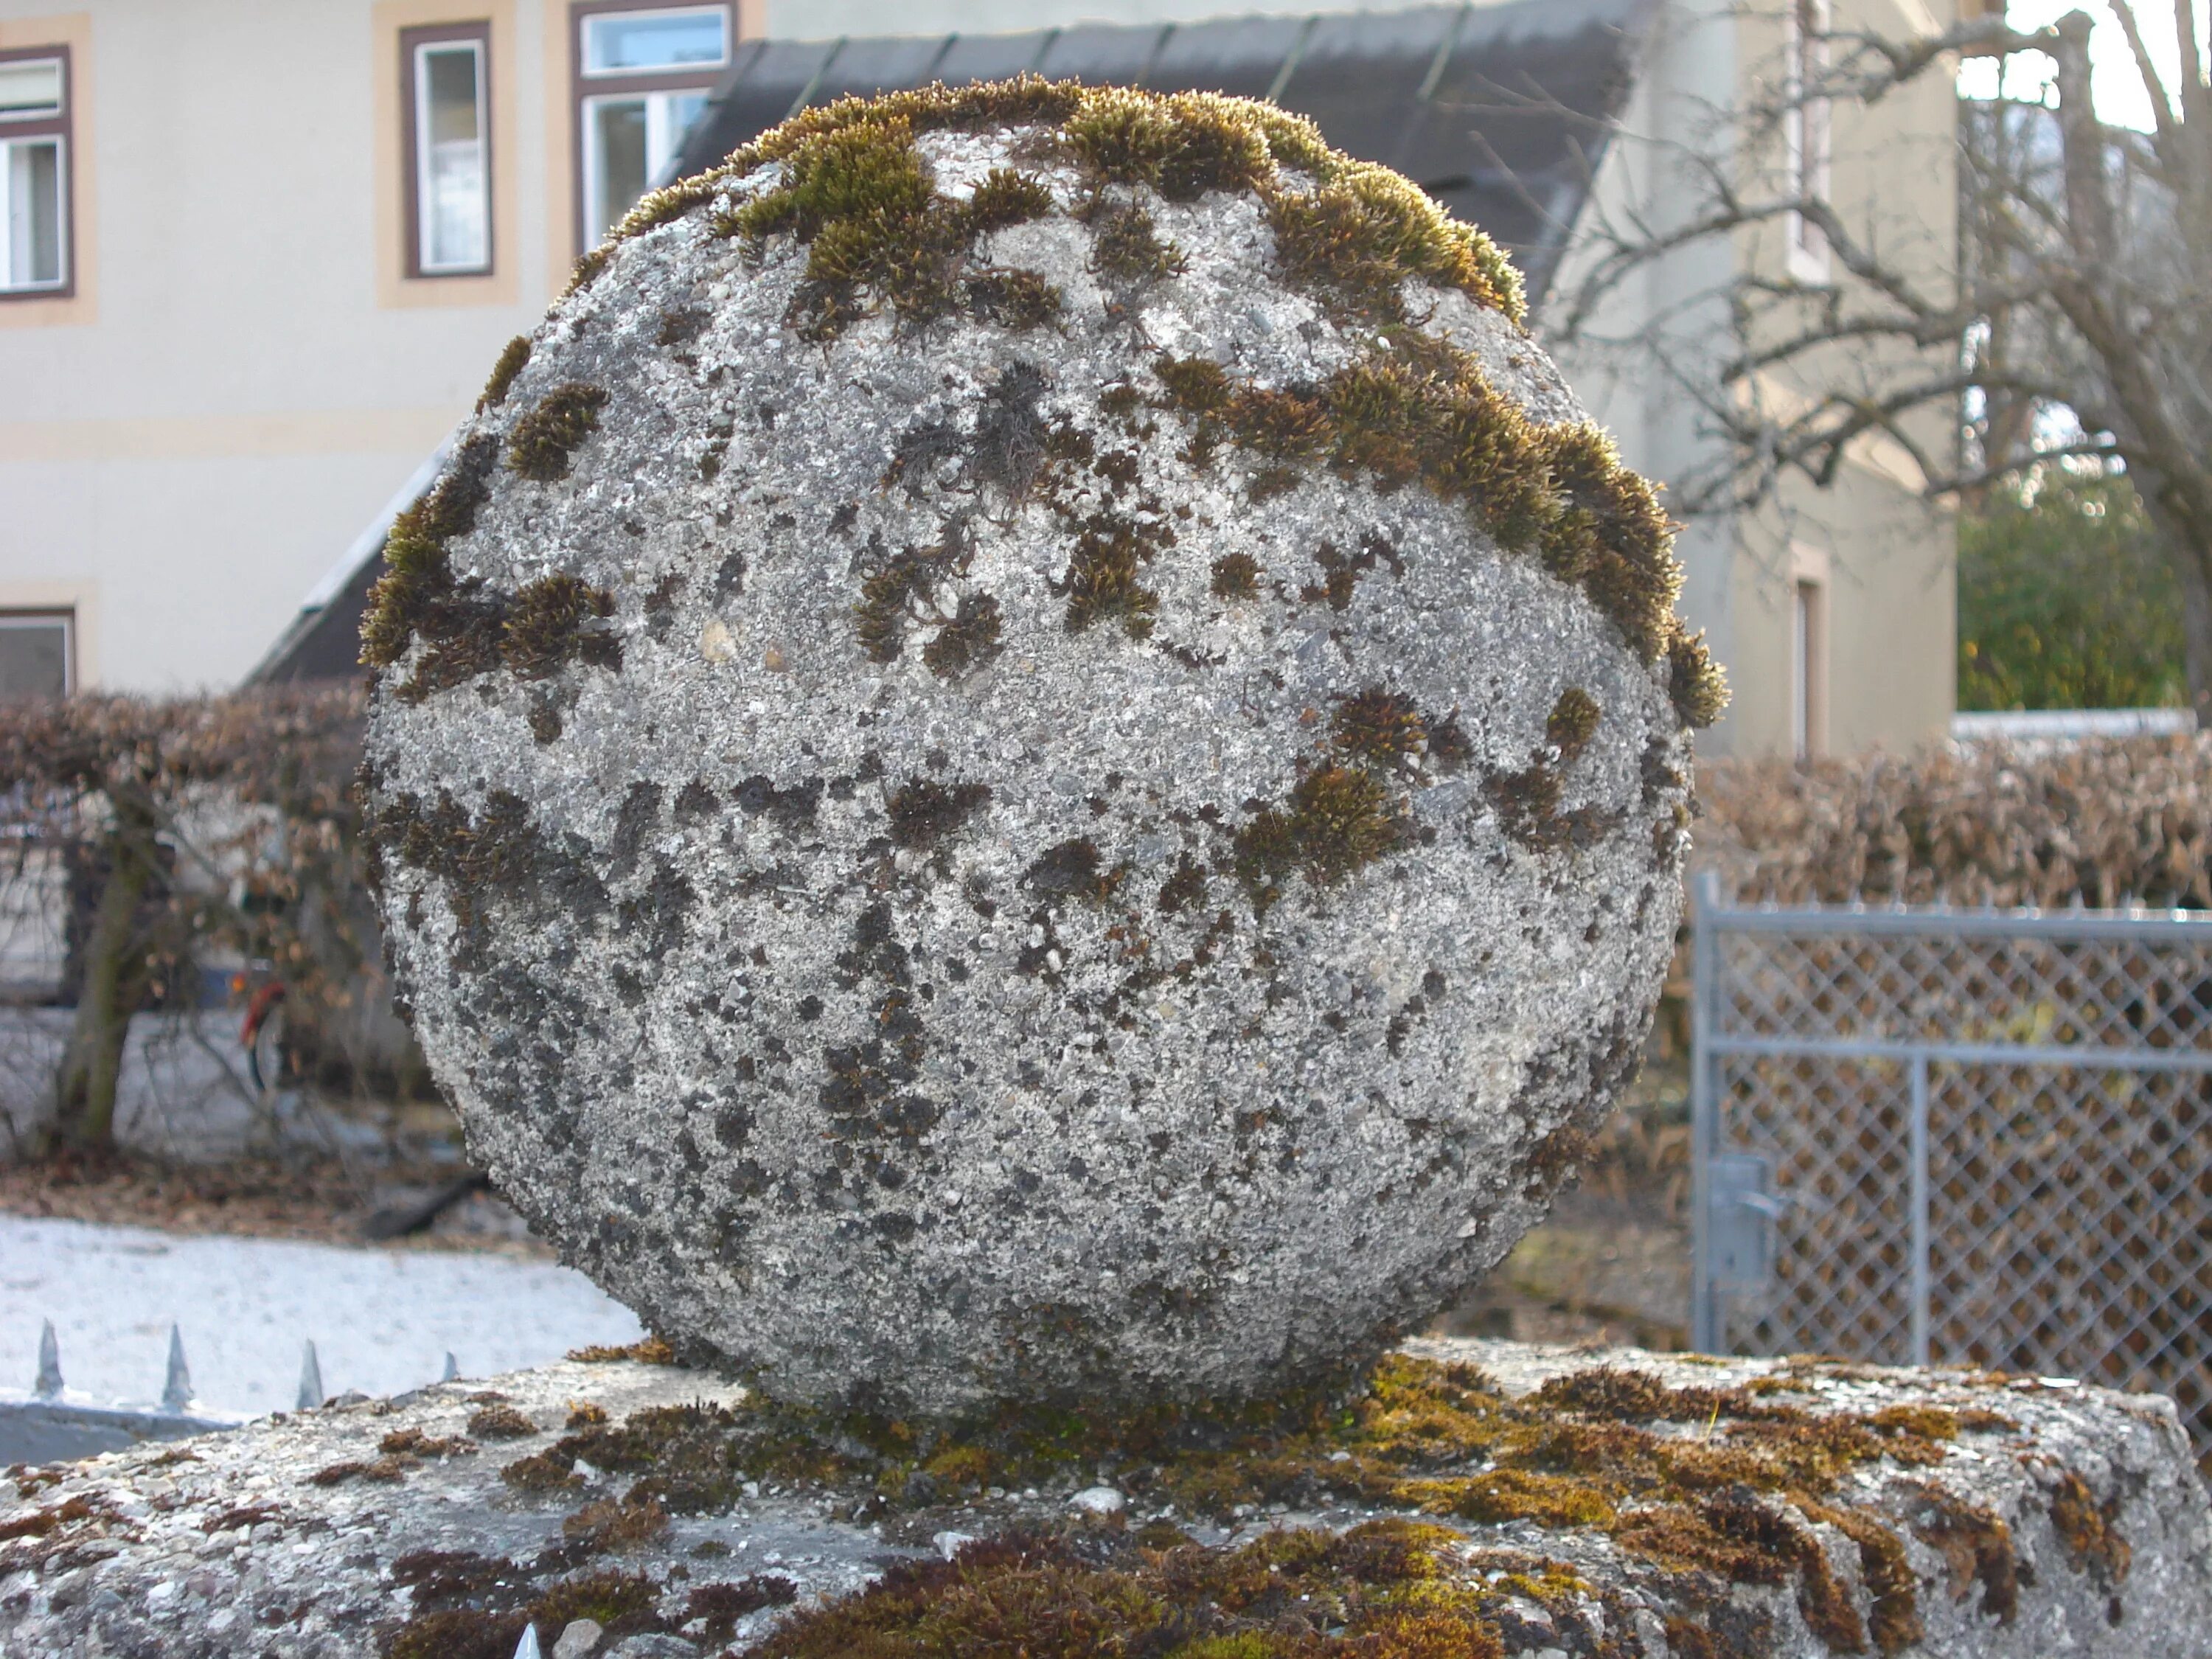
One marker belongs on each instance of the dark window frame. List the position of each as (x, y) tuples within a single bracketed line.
[(478, 33), (41, 127), (14, 615), (582, 86)]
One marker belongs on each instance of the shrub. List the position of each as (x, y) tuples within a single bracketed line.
[(199, 832), (2100, 823), (2066, 602)]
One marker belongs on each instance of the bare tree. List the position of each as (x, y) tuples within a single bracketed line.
[(2072, 318)]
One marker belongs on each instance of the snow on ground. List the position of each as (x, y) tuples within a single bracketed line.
[(381, 1321)]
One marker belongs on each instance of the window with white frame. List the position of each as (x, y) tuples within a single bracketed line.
[(34, 172), (1805, 131), (644, 74), (448, 74), (38, 654)]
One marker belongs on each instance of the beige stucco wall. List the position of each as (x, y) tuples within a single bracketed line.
[(1882, 560), (246, 375)]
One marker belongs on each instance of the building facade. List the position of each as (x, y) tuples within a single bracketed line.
[(259, 260)]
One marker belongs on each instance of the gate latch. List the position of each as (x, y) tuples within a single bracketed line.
[(1740, 1224)]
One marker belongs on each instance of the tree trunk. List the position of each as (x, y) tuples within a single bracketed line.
[(114, 984)]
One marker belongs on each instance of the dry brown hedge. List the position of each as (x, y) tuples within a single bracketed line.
[(2106, 823)]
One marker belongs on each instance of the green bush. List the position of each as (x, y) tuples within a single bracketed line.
[(2064, 601)]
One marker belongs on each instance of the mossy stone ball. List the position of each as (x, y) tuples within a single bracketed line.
[(1028, 753)]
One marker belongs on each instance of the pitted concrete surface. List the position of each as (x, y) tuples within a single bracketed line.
[(892, 968), (228, 1544)]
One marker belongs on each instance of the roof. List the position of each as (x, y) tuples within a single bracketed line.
[(1499, 112)]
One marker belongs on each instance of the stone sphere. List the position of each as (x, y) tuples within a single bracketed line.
[(1028, 752)]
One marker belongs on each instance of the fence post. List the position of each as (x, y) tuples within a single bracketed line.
[(1919, 1155), (1705, 1314)]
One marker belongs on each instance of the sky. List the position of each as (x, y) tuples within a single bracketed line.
[(2122, 98)]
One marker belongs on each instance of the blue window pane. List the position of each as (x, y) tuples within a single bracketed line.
[(640, 42)]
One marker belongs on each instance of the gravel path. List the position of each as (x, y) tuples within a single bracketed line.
[(381, 1321)]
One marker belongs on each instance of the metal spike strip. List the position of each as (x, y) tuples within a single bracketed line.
[(310, 1379), (49, 1384), (177, 1392)]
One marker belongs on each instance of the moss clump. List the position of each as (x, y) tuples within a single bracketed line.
[(1340, 819), (720, 1607), (1006, 198), (1198, 384), (1573, 722), (475, 1607), (859, 196), (588, 265), (646, 1350), (1417, 410), (1386, 1589), (1182, 144), (542, 441), (688, 1455), (2088, 1531), (855, 189), (512, 355), (413, 1443), (1366, 230), (903, 592), (1185, 889), (1748, 1541), (1550, 1500), (1015, 300), (1611, 537), (416, 596), (622, 1601), (336, 1475), (1886, 1570), (458, 1633), (1102, 581), (923, 811), (1126, 248), (969, 640), (502, 1422), (1697, 685), (861, 184), (1696, 1482), (547, 628), (1976, 1545), (612, 1526), (1379, 727), (1236, 576)]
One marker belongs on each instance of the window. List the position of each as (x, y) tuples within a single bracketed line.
[(38, 653), (447, 74), (644, 74), (1808, 673), (1805, 131), (34, 172)]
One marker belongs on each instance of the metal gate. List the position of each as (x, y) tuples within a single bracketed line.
[(1970, 1138)]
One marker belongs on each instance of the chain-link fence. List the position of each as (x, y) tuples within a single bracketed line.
[(1965, 1137)]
